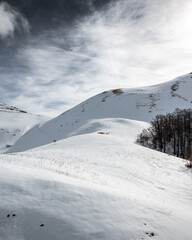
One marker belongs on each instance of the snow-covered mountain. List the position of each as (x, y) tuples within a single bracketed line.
[(138, 104), (92, 181), (14, 123)]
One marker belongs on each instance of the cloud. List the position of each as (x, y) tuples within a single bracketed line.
[(127, 43), (11, 21)]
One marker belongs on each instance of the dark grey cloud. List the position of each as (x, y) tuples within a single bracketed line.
[(50, 13)]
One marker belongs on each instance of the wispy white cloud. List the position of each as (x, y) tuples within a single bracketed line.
[(11, 20), (130, 43)]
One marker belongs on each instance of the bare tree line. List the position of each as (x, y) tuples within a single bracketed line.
[(170, 133)]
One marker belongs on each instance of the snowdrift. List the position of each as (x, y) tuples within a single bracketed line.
[(95, 186)]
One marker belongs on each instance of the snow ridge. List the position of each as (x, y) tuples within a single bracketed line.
[(140, 104)]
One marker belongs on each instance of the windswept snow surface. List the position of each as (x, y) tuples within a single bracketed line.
[(88, 179), (99, 185), (138, 104), (14, 123)]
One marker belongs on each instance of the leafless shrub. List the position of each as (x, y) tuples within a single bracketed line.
[(117, 91), (103, 133)]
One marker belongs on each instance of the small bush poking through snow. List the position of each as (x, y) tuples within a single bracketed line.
[(103, 133), (189, 164), (117, 91), (7, 145)]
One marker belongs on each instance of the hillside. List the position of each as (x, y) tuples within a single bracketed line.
[(87, 179), (95, 186), (14, 123), (140, 104)]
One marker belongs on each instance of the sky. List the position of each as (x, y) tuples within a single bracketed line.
[(56, 53)]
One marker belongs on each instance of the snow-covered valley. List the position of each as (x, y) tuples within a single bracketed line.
[(88, 179)]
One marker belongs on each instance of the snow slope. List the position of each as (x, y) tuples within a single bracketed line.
[(14, 123), (138, 104), (88, 179), (95, 186)]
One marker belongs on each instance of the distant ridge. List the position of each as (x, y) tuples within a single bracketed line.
[(6, 108)]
